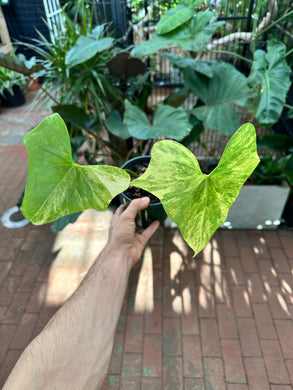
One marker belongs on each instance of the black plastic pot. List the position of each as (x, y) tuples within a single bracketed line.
[(15, 100), (155, 211)]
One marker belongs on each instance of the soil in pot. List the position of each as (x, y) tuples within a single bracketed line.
[(132, 192)]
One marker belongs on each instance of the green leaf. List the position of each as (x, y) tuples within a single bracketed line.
[(219, 93), (174, 18), (56, 186), (18, 63), (75, 115), (116, 126), (202, 67), (272, 72), (168, 121), (203, 201), (86, 47), (193, 36)]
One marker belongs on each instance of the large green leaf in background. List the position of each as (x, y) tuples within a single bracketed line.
[(272, 72), (192, 35), (75, 115), (219, 93), (56, 186), (116, 126), (174, 18), (87, 47), (168, 121), (203, 202)]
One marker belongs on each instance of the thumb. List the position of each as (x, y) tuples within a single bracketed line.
[(135, 206)]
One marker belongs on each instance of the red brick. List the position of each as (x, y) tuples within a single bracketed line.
[(37, 298), (193, 384), (285, 333), (116, 358), (286, 282), (264, 321), (279, 260), (229, 243), (192, 361), (153, 319), (188, 283), (152, 355), (248, 337), (214, 373), (278, 305), (8, 289), (3, 310), (172, 302), (237, 386), (226, 321), (151, 383), (134, 334), (268, 273), (29, 277), (20, 263), (287, 242), (256, 373), (24, 331), (16, 308), (6, 335), (210, 337), (241, 301), (281, 387), (189, 318), (234, 270), (8, 364), (247, 256), (5, 267), (258, 244), (111, 382), (272, 238), (255, 288), (274, 362), (172, 373), (171, 337), (222, 292), (131, 371), (206, 302), (158, 284), (289, 364), (234, 370)]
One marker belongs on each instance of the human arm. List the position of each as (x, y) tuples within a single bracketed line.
[(74, 349)]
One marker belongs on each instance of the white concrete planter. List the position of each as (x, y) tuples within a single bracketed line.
[(258, 207)]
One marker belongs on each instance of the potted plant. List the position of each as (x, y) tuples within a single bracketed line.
[(57, 186), (12, 87)]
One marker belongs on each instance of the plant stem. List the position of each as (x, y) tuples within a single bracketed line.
[(133, 148), (288, 106), (45, 91), (102, 144), (131, 172), (289, 52), (231, 54), (273, 24)]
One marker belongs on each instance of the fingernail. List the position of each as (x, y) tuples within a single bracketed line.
[(145, 199)]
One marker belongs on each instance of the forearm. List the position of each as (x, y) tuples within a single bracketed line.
[(74, 349)]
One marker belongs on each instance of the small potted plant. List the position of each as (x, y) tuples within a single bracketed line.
[(197, 203), (12, 87)]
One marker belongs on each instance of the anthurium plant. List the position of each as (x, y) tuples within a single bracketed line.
[(57, 186)]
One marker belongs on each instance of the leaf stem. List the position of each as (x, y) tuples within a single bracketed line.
[(131, 172), (289, 52), (231, 54), (288, 106), (273, 24)]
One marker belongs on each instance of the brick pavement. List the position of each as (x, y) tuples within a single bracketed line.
[(220, 321)]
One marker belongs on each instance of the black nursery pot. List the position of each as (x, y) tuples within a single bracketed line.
[(15, 100), (155, 211)]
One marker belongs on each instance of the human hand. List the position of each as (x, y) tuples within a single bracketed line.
[(122, 233)]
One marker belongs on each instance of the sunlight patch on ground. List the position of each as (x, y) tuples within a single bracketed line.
[(77, 246), (144, 297)]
